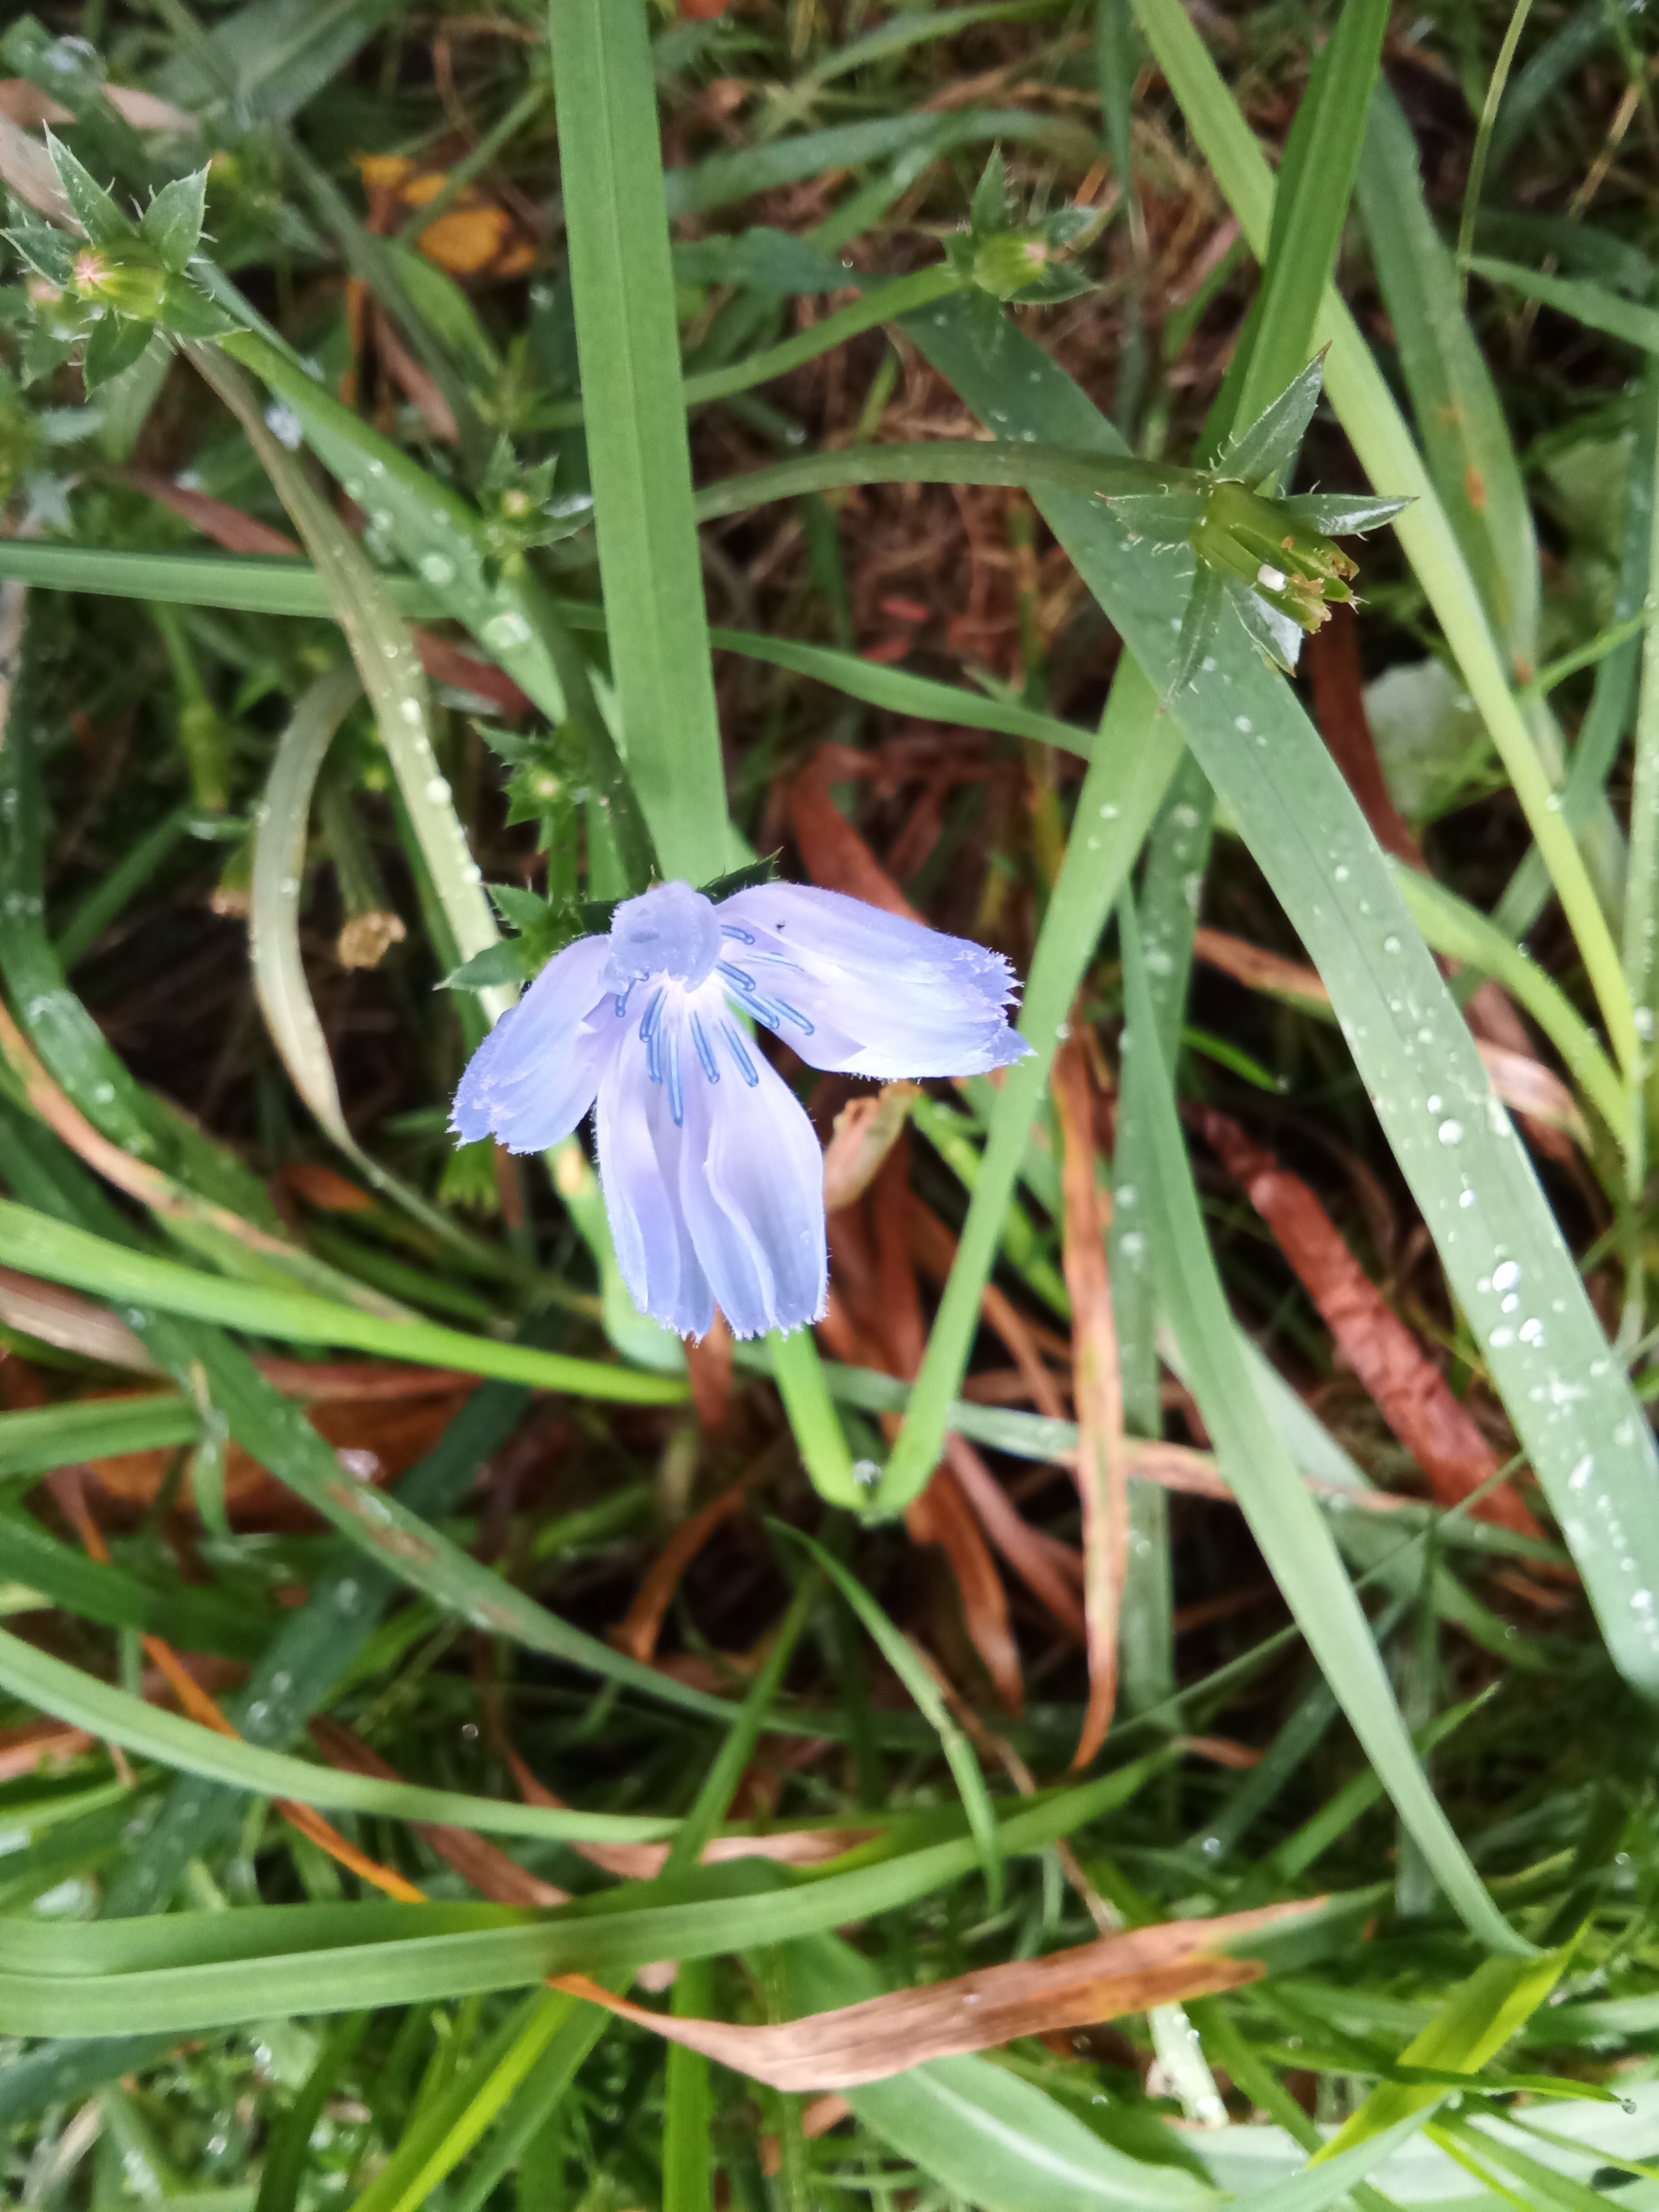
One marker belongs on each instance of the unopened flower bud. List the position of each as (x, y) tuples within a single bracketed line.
[(131, 285), (1007, 263)]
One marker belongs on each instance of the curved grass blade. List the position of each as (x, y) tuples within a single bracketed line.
[(1297, 1546), (194, 1970), (279, 852), (117, 1716), (901, 1656), (1136, 754), (1572, 1406), (251, 584), (390, 671), (1367, 411), (61, 1252)]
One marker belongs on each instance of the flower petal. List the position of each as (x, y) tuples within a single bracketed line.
[(752, 1183), (641, 1172), (536, 1074), (870, 993)]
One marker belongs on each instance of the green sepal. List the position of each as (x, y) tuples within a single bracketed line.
[(1275, 635), (522, 908), (495, 964), (1167, 517), (49, 252), (1341, 514), (189, 314), (1201, 625), (1267, 447), (535, 790), (102, 220), (116, 343), (172, 221), (747, 879), (44, 352), (989, 211)]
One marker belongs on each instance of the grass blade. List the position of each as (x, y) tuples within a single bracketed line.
[(1299, 1547), (1367, 411), (627, 343)]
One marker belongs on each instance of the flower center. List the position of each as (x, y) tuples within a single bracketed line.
[(671, 931)]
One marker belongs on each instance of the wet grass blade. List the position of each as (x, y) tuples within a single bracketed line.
[(60, 1253), (1137, 752), (1295, 1541), (117, 1716), (1366, 410), (627, 344)]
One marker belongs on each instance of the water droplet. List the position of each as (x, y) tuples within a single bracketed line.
[(438, 569), (1435, 1102), (1391, 945), (1500, 1337), (505, 630), (1506, 1274), (1451, 1132), (1532, 1329)]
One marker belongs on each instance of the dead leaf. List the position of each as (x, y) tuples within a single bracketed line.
[(1535, 1092), (418, 385), (934, 1250), (478, 1862), (866, 1130), (476, 238), (1052, 1570), (835, 855), (64, 1318), (638, 1634), (324, 1187), (1526, 1086), (803, 1847), (1407, 1388), (1102, 1477), (941, 1516), (708, 1365), (887, 2035), (38, 1746), (378, 1438), (1332, 654)]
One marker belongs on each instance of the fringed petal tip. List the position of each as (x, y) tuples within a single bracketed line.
[(779, 1324)]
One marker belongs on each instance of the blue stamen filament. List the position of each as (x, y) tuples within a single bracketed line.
[(739, 1053), (742, 936), (705, 1050), (676, 1088)]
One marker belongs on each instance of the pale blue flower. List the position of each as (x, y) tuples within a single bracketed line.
[(713, 1177)]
